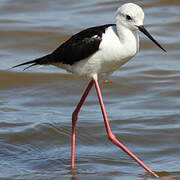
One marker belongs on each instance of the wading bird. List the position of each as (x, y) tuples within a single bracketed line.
[(98, 50)]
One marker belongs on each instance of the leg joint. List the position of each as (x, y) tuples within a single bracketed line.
[(111, 137), (74, 116)]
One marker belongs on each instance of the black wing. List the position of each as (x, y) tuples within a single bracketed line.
[(78, 47)]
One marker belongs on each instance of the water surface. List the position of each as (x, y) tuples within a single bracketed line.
[(142, 101)]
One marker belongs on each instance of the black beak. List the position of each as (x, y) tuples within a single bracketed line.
[(142, 29)]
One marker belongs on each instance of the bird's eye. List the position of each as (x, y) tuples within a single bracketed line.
[(128, 17)]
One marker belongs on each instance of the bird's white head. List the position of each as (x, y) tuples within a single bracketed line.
[(130, 16)]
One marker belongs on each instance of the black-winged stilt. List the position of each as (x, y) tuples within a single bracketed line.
[(98, 50)]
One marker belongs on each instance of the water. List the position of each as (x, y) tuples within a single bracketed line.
[(142, 101)]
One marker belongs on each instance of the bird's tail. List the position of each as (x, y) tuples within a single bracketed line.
[(39, 61)]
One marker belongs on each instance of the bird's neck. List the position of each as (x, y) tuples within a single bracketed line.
[(127, 36)]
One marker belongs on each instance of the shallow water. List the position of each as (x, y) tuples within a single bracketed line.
[(142, 101)]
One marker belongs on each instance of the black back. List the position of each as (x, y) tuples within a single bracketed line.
[(78, 47)]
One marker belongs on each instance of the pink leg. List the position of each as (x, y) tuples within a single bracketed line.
[(74, 119), (112, 137)]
